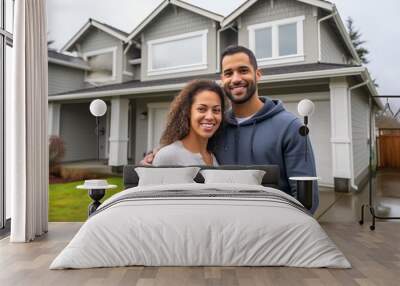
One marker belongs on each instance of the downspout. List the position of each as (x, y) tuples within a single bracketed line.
[(319, 33), (219, 43), (127, 47), (352, 180)]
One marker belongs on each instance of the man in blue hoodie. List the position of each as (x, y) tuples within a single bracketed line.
[(259, 130)]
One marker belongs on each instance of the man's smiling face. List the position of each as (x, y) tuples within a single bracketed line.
[(239, 78)]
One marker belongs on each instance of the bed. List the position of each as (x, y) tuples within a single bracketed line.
[(201, 223)]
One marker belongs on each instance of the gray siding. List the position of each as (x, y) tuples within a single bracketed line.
[(332, 49), (96, 39), (132, 53), (175, 21), (137, 72), (77, 129), (359, 122), (62, 79), (227, 38), (262, 12)]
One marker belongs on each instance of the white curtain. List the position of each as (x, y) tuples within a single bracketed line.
[(26, 123)]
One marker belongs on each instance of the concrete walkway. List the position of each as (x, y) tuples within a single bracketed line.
[(347, 207), (99, 167)]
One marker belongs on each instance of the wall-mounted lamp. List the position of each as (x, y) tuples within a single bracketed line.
[(98, 108), (305, 108), (305, 184), (143, 115)]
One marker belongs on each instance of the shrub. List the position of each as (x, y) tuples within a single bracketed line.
[(56, 154), (77, 174)]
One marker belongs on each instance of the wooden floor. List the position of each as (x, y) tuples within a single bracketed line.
[(374, 255)]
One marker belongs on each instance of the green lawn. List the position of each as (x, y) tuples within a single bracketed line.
[(66, 203)]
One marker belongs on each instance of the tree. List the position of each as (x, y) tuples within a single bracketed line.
[(355, 37)]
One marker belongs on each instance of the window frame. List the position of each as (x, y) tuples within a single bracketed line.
[(113, 77), (274, 25), (180, 68), (6, 39)]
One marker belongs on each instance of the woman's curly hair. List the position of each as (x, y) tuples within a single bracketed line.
[(178, 121)]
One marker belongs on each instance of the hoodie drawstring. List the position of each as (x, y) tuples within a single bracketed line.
[(237, 137), (253, 132)]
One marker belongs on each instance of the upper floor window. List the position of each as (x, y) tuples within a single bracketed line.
[(102, 64), (278, 41), (186, 52)]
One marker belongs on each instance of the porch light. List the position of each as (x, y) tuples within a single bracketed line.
[(305, 108), (304, 185), (98, 108)]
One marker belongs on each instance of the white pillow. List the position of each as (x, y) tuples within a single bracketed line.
[(166, 176), (248, 177)]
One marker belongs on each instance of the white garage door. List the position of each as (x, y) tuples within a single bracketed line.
[(320, 133)]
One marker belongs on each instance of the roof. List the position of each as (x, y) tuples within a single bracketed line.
[(178, 3), (116, 30), (119, 34), (247, 4), (269, 75), (67, 60), (282, 71)]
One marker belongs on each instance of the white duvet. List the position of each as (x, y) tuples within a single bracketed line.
[(188, 231)]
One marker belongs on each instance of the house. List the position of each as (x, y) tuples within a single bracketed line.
[(303, 50)]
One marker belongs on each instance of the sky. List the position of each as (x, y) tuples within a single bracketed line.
[(378, 22)]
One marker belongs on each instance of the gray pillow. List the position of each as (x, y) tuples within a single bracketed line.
[(166, 176), (248, 177)]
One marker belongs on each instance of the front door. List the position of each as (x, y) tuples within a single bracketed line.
[(157, 119)]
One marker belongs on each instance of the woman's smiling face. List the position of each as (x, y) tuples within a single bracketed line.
[(205, 114)]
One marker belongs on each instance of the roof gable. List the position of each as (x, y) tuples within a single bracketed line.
[(247, 4), (322, 4), (178, 3), (116, 33)]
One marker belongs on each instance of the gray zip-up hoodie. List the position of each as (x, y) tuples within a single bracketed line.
[(271, 136)]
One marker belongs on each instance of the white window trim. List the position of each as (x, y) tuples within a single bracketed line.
[(127, 73), (112, 50), (182, 68), (274, 25)]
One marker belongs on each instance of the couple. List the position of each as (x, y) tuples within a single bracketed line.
[(256, 131)]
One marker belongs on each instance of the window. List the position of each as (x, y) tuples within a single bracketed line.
[(102, 64), (263, 38), (6, 43), (186, 52), (278, 41)]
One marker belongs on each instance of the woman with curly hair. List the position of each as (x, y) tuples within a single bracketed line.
[(194, 117)]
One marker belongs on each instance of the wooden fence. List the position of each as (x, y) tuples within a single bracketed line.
[(389, 151)]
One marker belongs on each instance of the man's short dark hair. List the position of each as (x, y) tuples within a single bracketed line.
[(231, 50)]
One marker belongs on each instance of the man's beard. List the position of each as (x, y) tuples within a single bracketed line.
[(250, 91)]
